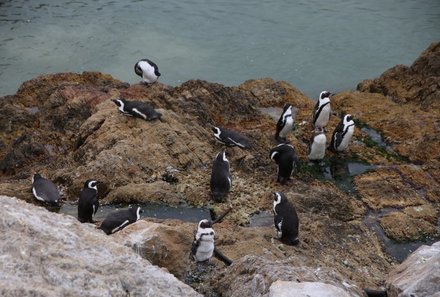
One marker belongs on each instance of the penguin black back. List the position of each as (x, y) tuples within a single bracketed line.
[(285, 219), (120, 219), (231, 138), (284, 155), (88, 203), (220, 178), (137, 109), (44, 190)]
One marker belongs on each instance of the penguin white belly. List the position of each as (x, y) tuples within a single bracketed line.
[(346, 140), (323, 117), (317, 151), (147, 72), (205, 249), (287, 127)]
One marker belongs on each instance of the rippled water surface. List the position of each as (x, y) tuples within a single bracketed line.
[(312, 44)]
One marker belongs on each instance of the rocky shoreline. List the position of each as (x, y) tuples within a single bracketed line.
[(65, 127)]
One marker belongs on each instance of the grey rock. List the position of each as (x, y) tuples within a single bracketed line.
[(418, 275), (48, 254), (305, 289)]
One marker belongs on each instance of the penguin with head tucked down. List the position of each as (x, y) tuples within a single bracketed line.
[(284, 124), (317, 145), (284, 155), (137, 109), (148, 70), (203, 245), (221, 182), (322, 110), (342, 134), (120, 219), (88, 202), (230, 138), (285, 219), (44, 190)]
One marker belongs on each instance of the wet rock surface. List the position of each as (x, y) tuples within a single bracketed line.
[(66, 127), (47, 254)]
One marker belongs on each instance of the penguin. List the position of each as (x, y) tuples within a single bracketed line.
[(342, 134), (284, 155), (137, 109), (284, 124), (88, 202), (322, 110), (285, 219), (120, 219), (44, 190), (220, 178), (203, 245), (148, 70), (230, 138), (317, 145)]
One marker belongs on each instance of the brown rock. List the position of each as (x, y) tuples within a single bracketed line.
[(402, 227)]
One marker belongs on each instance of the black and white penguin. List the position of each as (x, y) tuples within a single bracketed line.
[(322, 110), (120, 219), (285, 123), (44, 190), (203, 244), (285, 219), (220, 178), (342, 134), (88, 202), (148, 70), (230, 138), (284, 155), (137, 109), (317, 145)]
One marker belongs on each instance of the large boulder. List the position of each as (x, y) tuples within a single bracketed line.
[(47, 254), (418, 275)]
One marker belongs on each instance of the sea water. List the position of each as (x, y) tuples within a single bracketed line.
[(312, 44)]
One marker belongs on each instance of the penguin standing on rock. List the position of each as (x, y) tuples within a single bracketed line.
[(285, 123), (220, 178), (322, 110), (44, 190), (88, 202), (137, 109), (342, 134), (230, 138), (120, 219), (203, 244), (284, 155), (148, 70), (317, 145), (285, 219)]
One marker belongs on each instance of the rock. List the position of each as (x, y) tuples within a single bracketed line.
[(418, 84), (305, 289), (165, 246), (418, 275), (402, 227), (47, 254), (256, 276)]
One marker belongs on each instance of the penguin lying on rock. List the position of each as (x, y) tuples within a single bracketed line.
[(44, 190), (120, 219), (137, 109), (230, 138)]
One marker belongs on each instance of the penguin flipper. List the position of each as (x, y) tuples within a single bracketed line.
[(315, 113), (219, 255)]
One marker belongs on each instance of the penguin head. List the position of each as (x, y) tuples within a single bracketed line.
[(287, 107), (324, 94), (318, 131), (36, 176), (156, 71), (137, 210), (119, 102), (221, 157), (203, 224), (216, 131), (347, 119), (91, 184)]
